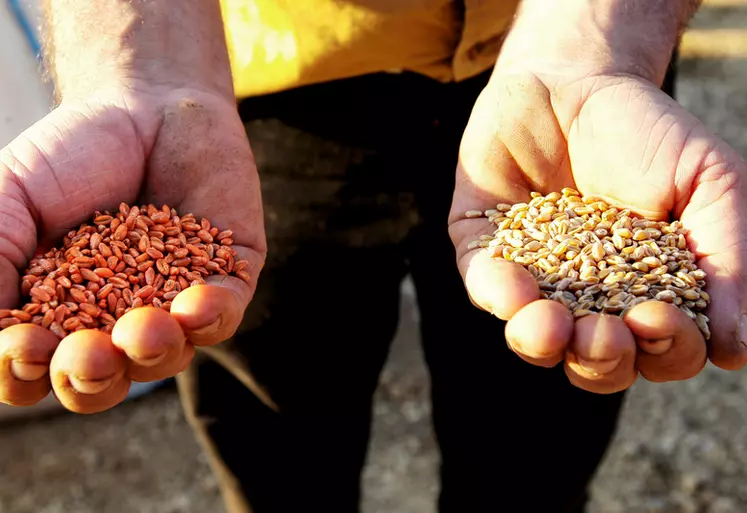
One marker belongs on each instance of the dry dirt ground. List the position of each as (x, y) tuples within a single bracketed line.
[(681, 448)]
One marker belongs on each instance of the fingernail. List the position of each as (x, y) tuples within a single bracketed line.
[(656, 347), (743, 329), (90, 386), (28, 371), (210, 328), (518, 348), (598, 367), (148, 362)]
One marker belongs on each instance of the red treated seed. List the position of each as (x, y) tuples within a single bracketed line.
[(85, 318), (48, 318), (120, 233), (40, 294), (8, 322), (57, 330), (21, 315), (65, 282), (143, 255), (144, 266), (90, 275), (91, 310), (157, 245), (168, 296), (60, 313), (154, 253), (144, 291), (71, 323), (104, 272)]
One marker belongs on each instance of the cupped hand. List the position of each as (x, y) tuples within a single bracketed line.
[(184, 148), (620, 138)]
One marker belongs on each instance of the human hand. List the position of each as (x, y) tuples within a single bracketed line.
[(616, 136), (184, 148)]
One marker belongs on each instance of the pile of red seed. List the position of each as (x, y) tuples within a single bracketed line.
[(138, 256)]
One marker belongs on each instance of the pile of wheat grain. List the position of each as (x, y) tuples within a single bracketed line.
[(596, 258), (135, 257)]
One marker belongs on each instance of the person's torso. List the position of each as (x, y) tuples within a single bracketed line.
[(280, 44)]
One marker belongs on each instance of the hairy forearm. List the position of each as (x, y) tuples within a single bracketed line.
[(633, 36), (103, 44)]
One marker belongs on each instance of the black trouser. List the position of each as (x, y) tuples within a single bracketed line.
[(357, 178)]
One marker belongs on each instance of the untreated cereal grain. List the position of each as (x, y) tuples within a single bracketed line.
[(570, 244)]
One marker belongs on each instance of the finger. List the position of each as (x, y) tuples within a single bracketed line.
[(512, 144), (211, 313), (497, 286), (715, 221), (670, 346), (601, 358), (88, 372), (727, 347), (9, 279), (25, 353), (154, 343), (540, 332)]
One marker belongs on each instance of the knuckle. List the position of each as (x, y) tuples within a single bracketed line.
[(676, 370), (20, 393), (605, 385), (730, 360), (21, 399), (727, 353), (546, 362)]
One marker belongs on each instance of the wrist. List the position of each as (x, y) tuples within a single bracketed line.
[(572, 39), (127, 92), (104, 78), (111, 45)]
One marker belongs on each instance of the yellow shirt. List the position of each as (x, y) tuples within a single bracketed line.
[(280, 44)]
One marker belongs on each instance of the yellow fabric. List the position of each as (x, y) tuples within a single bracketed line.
[(280, 44)]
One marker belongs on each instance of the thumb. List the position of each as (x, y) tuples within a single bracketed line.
[(25, 351), (17, 231), (212, 313), (498, 286), (512, 144), (715, 218), (9, 296)]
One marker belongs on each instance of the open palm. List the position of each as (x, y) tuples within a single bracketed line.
[(618, 137), (188, 151)]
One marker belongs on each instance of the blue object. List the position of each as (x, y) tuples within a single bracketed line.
[(140, 389), (23, 21)]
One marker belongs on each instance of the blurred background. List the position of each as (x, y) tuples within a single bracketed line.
[(680, 448)]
